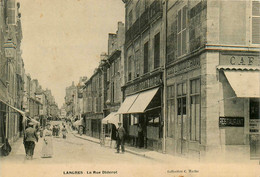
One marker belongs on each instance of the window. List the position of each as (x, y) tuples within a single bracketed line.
[(256, 22), (113, 92), (146, 57), (137, 63), (195, 110), (170, 111), (181, 31), (157, 51), (112, 69), (181, 99), (146, 5), (137, 9), (129, 68), (130, 19)]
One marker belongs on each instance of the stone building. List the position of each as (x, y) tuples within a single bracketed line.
[(143, 71), (69, 101), (113, 79), (93, 101), (213, 79), (11, 71)]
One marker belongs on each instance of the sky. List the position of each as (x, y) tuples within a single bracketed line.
[(63, 39)]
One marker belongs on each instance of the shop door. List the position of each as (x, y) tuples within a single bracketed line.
[(181, 125), (254, 129)]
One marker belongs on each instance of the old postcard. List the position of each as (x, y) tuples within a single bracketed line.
[(129, 88)]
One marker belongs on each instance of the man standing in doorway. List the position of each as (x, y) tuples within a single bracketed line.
[(30, 138), (120, 138)]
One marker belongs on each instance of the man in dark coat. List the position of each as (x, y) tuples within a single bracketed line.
[(120, 137), (30, 137)]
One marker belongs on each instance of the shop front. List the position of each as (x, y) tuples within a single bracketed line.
[(183, 115), (142, 112), (239, 120), (92, 124), (213, 106)]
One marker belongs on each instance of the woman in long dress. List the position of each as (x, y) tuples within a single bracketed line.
[(47, 148)]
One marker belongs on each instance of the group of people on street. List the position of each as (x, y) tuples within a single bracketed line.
[(31, 137), (56, 130)]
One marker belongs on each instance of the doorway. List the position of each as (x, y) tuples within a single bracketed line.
[(254, 129)]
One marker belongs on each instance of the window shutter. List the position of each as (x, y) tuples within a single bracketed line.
[(256, 8), (256, 22), (256, 30), (11, 12)]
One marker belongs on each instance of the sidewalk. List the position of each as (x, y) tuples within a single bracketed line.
[(159, 157)]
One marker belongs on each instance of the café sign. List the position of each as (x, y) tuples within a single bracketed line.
[(240, 60), (231, 122)]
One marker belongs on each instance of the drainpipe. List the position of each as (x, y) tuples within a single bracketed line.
[(165, 7)]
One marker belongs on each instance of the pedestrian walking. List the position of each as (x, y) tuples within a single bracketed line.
[(64, 132), (47, 147), (29, 139), (120, 138)]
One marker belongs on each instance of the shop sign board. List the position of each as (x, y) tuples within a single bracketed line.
[(239, 60), (145, 84), (231, 122), (184, 66)]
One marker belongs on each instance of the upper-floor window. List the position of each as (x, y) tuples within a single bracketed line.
[(130, 19), (137, 9), (129, 65), (156, 50), (146, 53), (256, 22), (181, 31), (137, 63)]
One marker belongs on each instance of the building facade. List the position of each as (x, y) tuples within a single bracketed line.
[(93, 101), (142, 108), (11, 71), (213, 79)]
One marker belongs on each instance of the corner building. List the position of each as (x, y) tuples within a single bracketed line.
[(213, 79)]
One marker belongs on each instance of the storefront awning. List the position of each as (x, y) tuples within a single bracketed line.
[(142, 101), (16, 109), (126, 105), (112, 118), (244, 83)]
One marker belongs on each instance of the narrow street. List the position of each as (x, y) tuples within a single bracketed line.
[(73, 150)]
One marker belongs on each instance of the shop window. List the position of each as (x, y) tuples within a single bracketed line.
[(170, 111), (181, 31), (254, 109), (181, 99), (146, 57), (156, 50), (195, 120), (256, 22)]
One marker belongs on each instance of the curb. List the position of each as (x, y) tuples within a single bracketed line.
[(126, 150), (83, 137)]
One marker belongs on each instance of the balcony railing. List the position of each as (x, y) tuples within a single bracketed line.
[(148, 16)]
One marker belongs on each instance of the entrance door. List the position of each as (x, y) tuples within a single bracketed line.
[(181, 118), (254, 129)]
